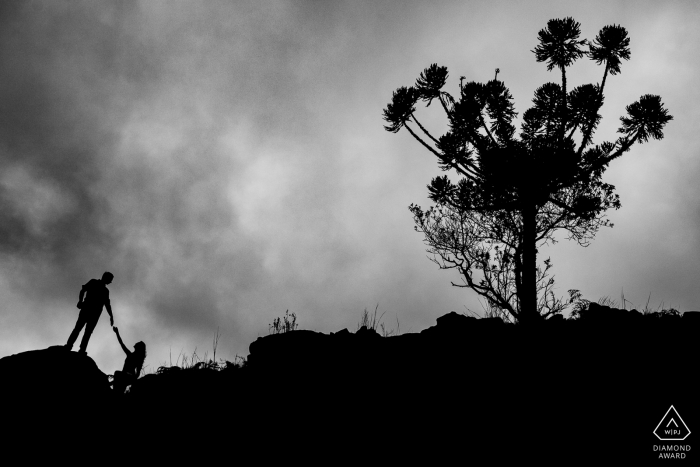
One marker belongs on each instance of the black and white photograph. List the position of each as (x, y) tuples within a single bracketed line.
[(342, 231)]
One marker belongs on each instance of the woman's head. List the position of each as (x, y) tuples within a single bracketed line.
[(140, 349)]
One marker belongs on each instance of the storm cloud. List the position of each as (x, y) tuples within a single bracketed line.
[(227, 161)]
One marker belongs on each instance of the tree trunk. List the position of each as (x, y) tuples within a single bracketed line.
[(528, 291), (518, 280)]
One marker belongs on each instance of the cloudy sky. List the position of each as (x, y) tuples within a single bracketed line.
[(227, 162)]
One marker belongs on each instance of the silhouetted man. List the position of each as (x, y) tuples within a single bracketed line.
[(91, 309)]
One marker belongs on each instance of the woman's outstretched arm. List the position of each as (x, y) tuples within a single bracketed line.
[(126, 350)]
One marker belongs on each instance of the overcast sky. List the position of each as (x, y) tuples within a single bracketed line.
[(227, 161)]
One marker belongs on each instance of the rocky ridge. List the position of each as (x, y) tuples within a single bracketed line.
[(472, 381)]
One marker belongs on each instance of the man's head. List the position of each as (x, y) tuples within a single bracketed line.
[(107, 277)]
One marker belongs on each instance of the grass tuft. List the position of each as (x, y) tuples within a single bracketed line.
[(370, 321), (196, 362), (287, 323)]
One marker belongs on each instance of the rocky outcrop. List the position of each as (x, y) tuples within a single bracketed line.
[(481, 344), (51, 375), (54, 395)]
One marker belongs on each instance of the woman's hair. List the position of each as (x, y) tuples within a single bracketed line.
[(140, 348)]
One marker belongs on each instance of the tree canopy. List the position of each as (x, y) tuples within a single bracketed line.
[(510, 192)]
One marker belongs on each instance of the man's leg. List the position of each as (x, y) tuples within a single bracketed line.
[(89, 327), (76, 330)]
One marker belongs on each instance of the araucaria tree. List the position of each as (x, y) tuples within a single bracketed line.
[(509, 192)]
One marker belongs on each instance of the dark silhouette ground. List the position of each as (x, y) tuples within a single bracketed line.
[(591, 389)]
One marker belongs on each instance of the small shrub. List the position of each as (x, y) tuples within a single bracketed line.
[(580, 304), (670, 312), (490, 310)]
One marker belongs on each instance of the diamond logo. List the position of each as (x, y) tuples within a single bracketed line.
[(671, 427)]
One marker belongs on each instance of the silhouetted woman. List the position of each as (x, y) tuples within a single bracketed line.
[(132, 365)]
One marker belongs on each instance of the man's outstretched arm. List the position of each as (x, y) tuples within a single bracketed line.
[(109, 310)]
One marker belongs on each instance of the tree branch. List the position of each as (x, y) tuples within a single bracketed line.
[(587, 137), (483, 124), (623, 148), (423, 129), (440, 156)]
